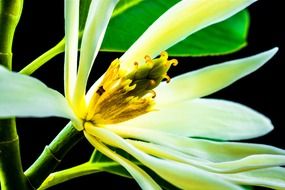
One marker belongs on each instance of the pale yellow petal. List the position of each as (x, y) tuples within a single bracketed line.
[(251, 162), (71, 14), (268, 177), (181, 175), (25, 96), (99, 14), (208, 118), (209, 79), (180, 21), (143, 179), (205, 149)]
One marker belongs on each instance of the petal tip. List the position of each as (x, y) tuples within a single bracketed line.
[(267, 127), (270, 53), (274, 50)]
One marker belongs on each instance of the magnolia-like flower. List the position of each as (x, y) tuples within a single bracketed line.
[(131, 108)]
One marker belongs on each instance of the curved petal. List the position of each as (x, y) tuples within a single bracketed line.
[(71, 14), (180, 21), (143, 179), (210, 79), (205, 149), (24, 96), (209, 118), (248, 163), (268, 177), (99, 14), (181, 175)]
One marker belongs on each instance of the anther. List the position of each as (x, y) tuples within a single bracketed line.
[(147, 58), (100, 90), (164, 55), (173, 62), (136, 64), (167, 78), (153, 94), (152, 82)]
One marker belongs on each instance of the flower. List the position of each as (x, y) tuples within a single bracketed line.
[(130, 107)]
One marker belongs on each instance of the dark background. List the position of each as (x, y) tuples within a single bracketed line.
[(41, 27)]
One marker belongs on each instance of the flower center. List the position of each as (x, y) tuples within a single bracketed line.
[(125, 95)]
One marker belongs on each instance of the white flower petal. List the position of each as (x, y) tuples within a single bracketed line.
[(180, 21), (205, 149), (181, 175), (71, 14), (210, 79), (99, 14), (268, 177), (143, 179), (248, 163), (24, 96), (209, 118)]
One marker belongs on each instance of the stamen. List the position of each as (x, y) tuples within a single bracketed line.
[(164, 55), (173, 62), (153, 94), (100, 90), (152, 83), (136, 64), (147, 58), (126, 94), (167, 78)]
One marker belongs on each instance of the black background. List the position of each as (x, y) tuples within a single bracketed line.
[(41, 27)]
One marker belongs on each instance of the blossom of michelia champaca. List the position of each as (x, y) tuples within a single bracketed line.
[(131, 108)]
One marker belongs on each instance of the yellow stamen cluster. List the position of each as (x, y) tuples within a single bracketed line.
[(122, 96)]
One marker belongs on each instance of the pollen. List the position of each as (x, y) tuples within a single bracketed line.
[(122, 95)]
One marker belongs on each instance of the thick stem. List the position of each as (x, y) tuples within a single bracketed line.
[(11, 172), (10, 12), (53, 154)]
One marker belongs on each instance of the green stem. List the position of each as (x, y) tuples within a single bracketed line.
[(82, 170), (68, 174), (41, 60), (10, 12), (11, 172), (53, 154)]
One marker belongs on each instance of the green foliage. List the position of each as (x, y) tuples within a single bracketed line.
[(83, 11), (132, 17)]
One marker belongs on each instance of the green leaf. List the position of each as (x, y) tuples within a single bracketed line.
[(222, 38), (83, 12), (132, 17)]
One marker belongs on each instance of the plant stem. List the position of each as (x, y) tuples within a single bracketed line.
[(68, 174), (53, 154), (83, 170), (10, 12), (41, 60), (11, 172)]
